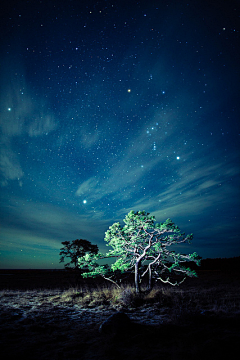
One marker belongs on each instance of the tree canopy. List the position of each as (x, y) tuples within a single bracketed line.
[(76, 249), (142, 246)]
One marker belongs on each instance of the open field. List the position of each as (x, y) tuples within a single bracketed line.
[(198, 320)]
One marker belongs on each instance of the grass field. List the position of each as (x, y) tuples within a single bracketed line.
[(197, 320)]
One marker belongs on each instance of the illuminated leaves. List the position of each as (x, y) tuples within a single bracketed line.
[(142, 246)]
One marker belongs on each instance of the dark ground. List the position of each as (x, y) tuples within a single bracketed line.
[(49, 332), (39, 279)]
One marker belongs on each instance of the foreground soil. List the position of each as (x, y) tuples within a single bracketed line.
[(34, 326)]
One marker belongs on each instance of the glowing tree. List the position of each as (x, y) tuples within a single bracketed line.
[(142, 246)]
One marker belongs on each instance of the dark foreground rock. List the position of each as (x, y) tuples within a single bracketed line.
[(116, 324)]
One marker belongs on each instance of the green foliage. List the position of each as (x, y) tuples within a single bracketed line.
[(74, 250), (89, 263), (142, 246)]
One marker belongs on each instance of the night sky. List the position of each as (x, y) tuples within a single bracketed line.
[(112, 106)]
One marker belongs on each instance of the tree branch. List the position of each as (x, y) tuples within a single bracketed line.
[(169, 282), (110, 280)]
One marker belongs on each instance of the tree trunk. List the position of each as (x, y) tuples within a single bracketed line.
[(138, 264), (150, 277), (137, 287)]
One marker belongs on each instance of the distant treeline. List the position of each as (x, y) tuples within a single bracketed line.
[(223, 264), (227, 264)]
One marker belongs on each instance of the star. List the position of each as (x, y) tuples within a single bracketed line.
[(107, 122)]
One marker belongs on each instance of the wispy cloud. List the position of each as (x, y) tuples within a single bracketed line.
[(20, 115), (10, 167), (87, 186), (123, 175), (197, 189), (40, 227)]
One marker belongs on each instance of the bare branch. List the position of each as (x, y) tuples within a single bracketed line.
[(110, 280), (169, 282)]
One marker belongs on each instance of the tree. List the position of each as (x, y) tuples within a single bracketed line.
[(74, 250), (142, 246)]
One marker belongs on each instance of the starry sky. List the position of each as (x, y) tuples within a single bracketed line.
[(112, 106)]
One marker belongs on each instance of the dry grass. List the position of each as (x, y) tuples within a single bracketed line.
[(217, 299), (195, 321), (220, 299)]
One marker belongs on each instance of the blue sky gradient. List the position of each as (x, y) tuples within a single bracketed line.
[(108, 107)]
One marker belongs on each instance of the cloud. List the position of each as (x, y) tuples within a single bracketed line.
[(21, 239), (42, 124), (89, 138), (48, 221), (10, 167), (198, 204), (87, 186), (123, 175), (21, 114)]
